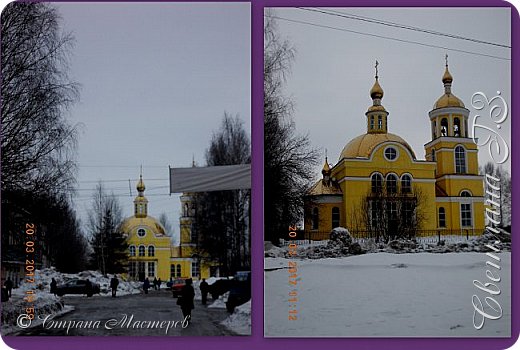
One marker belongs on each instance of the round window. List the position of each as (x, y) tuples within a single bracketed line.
[(141, 232), (390, 153)]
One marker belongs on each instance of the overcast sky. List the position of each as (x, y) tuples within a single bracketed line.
[(334, 70), (155, 80)]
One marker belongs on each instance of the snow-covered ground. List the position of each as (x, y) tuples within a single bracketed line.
[(385, 295), (240, 320)]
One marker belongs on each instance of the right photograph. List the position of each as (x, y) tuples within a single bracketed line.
[(387, 172)]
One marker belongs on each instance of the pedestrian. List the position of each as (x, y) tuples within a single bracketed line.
[(204, 289), (155, 283), (88, 288), (159, 283), (146, 285), (8, 284), (114, 282), (186, 300), (53, 286)]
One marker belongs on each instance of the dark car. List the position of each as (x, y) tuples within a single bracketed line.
[(176, 286), (240, 291), (77, 286), (219, 287)]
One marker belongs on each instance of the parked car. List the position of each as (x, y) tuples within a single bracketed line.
[(77, 286), (219, 287), (176, 286), (240, 291)]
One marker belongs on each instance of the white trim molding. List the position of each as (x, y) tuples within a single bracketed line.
[(459, 199)]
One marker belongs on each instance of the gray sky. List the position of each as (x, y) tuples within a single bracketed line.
[(334, 70), (155, 80)]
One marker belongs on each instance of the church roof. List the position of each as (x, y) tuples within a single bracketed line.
[(363, 145), (148, 221), (321, 187)]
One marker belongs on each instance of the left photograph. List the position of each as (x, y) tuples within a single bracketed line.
[(126, 169)]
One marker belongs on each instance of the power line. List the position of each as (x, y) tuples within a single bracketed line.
[(389, 38), (397, 25)]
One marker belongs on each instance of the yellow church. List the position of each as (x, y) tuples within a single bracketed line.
[(151, 253), (379, 188)]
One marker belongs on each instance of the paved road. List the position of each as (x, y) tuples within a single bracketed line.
[(155, 306)]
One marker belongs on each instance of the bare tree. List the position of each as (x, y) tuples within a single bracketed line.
[(387, 215), (505, 191), (222, 218), (38, 143), (109, 247), (288, 156)]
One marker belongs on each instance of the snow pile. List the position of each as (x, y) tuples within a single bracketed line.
[(240, 320), (43, 278), (220, 303), (272, 251), (501, 241), (43, 303), (340, 244)]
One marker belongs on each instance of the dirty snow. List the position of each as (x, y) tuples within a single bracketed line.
[(46, 303), (240, 320), (385, 295), (220, 303)]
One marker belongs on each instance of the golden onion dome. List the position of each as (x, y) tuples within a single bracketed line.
[(326, 166), (376, 91), (447, 78), (363, 145), (140, 185)]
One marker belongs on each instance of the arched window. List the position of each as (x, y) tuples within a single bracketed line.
[(442, 217), (179, 270), (132, 250), (335, 217), (372, 125), (406, 183), (380, 122), (434, 130), (315, 218), (391, 183), (460, 160), (465, 193), (465, 214), (433, 155), (142, 250), (465, 127), (444, 127), (151, 250), (377, 183), (186, 211), (456, 127)]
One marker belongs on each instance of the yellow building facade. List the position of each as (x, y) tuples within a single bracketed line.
[(151, 253), (379, 184)]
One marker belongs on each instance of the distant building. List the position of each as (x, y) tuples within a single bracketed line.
[(378, 178), (150, 249)]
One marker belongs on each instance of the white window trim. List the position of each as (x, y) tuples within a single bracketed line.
[(396, 153), (465, 159)]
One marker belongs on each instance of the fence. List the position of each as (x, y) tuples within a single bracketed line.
[(424, 236)]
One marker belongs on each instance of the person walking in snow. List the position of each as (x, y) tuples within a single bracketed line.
[(114, 282), (186, 300), (155, 283), (159, 283), (8, 284), (54, 284), (204, 289), (146, 285)]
